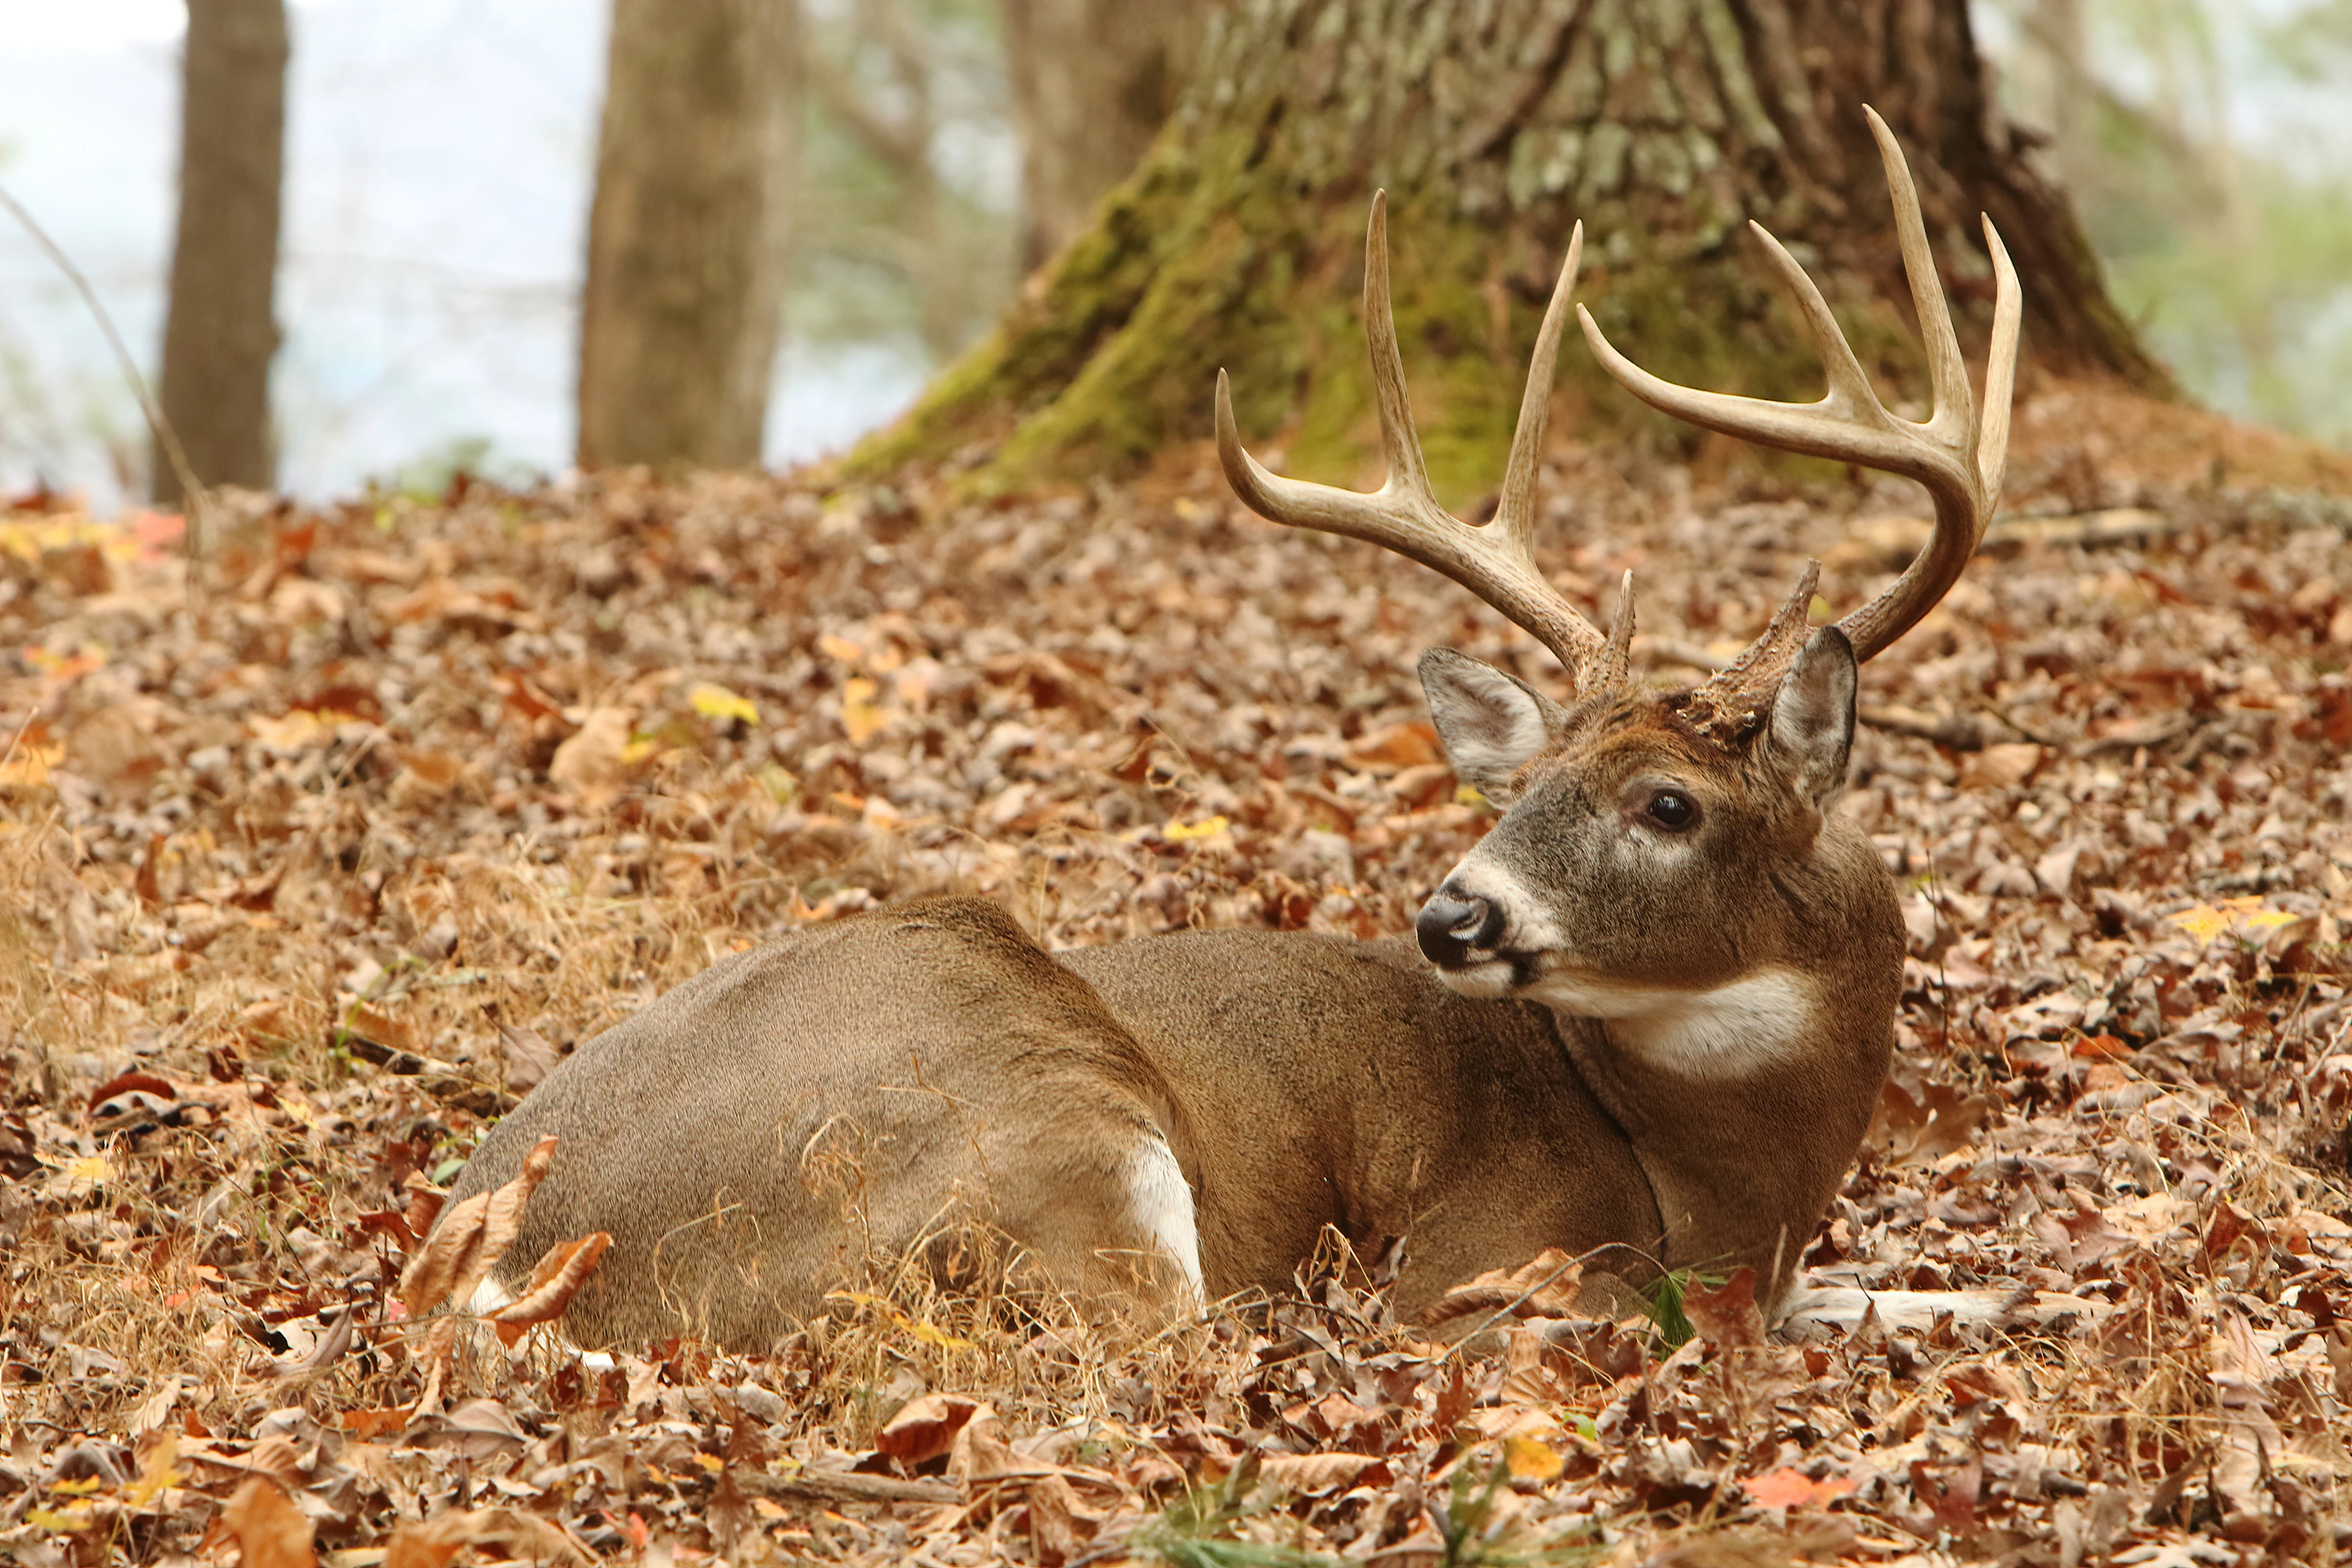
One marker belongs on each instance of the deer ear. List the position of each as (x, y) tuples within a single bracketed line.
[(1812, 732), (1492, 723)]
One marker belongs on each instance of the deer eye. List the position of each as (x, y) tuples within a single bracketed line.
[(1672, 810)]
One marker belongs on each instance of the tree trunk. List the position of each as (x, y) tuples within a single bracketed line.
[(220, 330), (683, 306), (1661, 126), (1093, 81)]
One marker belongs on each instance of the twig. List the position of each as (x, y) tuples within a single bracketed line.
[(844, 1486), (191, 488)]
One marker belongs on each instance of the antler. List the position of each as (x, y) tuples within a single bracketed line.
[(1958, 453), (1493, 560)]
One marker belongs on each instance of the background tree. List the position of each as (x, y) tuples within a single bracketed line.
[(909, 231), (2202, 145), (220, 327), (1662, 127), (1093, 81), (682, 309)]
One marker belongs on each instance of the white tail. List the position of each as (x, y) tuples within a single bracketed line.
[(1648, 1017)]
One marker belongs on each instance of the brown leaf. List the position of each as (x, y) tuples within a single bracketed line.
[(554, 1280), (431, 1545), (1547, 1286), (926, 1426), (1314, 1473), (592, 764), (529, 1057), (269, 1530), (472, 1238), (1794, 1489), (1411, 745), (1727, 1316), (2000, 767)]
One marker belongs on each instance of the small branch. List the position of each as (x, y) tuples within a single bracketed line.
[(842, 1486), (1957, 731)]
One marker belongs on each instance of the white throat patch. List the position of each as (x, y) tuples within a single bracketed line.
[(1751, 1025)]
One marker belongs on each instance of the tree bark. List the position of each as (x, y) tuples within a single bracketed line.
[(1662, 126), (682, 310), (1093, 81), (220, 330)]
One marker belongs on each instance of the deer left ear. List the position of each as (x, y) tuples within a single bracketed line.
[(1811, 734)]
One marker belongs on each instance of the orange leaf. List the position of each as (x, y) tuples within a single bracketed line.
[(554, 1280), (1794, 1489), (365, 1424), (472, 1238), (270, 1531)]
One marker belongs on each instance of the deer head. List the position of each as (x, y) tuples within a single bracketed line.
[(1657, 845)]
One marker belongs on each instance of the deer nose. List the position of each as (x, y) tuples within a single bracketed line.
[(1449, 927)]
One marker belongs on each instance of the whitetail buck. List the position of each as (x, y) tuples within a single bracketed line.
[(1650, 1012)]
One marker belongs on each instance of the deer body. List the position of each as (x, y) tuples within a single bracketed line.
[(1647, 1018)]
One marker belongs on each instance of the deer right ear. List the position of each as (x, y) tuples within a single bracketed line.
[(1493, 724), (1811, 734)]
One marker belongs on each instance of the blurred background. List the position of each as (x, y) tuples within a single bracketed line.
[(441, 158)]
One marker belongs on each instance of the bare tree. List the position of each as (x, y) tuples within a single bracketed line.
[(683, 307), (220, 330), (1494, 128), (1093, 81)]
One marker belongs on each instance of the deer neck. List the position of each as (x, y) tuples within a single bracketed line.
[(1743, 1103)]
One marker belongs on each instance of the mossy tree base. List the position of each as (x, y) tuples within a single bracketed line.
[(1662, 125)]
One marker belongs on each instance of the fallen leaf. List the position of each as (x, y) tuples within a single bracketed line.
[(268, 1528), (714, 702), (555, 1280)]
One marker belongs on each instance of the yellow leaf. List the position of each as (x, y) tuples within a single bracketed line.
[(1467, 794), (75, 1516), (158, 1472), (2268, 920), (783, 787), (1530, 1458), (1178, 833), (29, 768), (91, 1168), (714, 702), (2204, 922), (860, 715), (842, 648), (929, 1334)]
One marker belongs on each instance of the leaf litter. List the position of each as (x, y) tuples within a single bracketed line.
[(310, 867)]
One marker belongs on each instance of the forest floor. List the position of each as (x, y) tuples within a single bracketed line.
[(310, 867)]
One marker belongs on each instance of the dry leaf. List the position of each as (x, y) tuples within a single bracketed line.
[(1312, 1474), (1787, 1489), (268, 1528), (470, 1239), (926, 1426), (554, 1280), (1726, 1316), (593, 764)]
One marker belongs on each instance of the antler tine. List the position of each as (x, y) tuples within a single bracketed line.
[(1515, 516), (1399, 439), (1956, 453), (1947, 376), (1494, 559)]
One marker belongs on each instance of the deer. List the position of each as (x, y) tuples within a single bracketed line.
[(1646, 1020)]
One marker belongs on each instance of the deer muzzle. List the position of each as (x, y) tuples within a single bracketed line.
[(1455, 930)]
